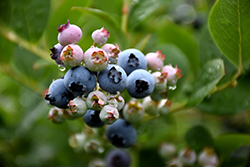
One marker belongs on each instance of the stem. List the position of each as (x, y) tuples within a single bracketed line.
[(125, 11), (33, 48), (22, 79)]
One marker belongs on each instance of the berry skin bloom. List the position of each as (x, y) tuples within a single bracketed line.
[(68, 34), (131, 59), (112, 79), (79, 80), (100, 36), (121, 134), (155, 60), (72, 55), (140, 83), (58, 94), (95, 59)]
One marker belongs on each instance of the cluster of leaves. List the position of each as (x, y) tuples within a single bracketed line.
[(213, 92)]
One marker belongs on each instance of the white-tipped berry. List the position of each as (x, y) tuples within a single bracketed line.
[(173, 74), (167, 150), (150, 106), (93, 145), (76, 140), (160, 80), (96, 100), (72, 55), (187, 156), (155, 60), (95, 59), (175, 163), (100, 36), (55, 115), (112, 50), (109, 114), (133, 111), (78, 107), (116, 101), (68, 34), (208, 157)]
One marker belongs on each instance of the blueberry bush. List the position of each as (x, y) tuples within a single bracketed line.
[(128, 83)]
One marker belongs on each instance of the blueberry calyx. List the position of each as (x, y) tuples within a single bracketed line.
[(63, 27), (76, 87), (117, 140), (133, 60), (141, 86), (115, 75)]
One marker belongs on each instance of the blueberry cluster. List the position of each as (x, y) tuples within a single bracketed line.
[(94, 80)]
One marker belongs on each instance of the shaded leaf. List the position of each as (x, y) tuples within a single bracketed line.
[(198, 138), (226, 144), (141, 9), (171, 33), (228, 101), (209, 76), (229, 24), (29, 18)]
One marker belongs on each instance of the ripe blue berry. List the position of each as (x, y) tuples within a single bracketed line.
[(132, 59), (112, 79), (117, 158), (79, 80), (121, 134), (69, 33), (140, 83), (58, 94), (92, 119)]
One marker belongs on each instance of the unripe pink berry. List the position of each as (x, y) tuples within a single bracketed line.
[(68, 34), (72, 55), (155, 60), (173, 74), (95, 59), (160, 80), (187, 156), (100, 36), (112, 50), (96, 100)]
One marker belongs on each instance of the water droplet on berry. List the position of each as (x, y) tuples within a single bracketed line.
[(61, 68)]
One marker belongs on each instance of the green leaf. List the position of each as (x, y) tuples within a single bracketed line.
[(209, 76), (226, 144), (58, 17), (100, 14), (29, 18), (6, 48), (142, 9), (5, 11), (171, 33), (229, 24), (198, 138), (228, 101)]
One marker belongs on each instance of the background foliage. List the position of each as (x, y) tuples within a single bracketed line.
[(208, 40)]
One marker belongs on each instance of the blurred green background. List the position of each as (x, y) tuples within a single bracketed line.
[(179, 28)]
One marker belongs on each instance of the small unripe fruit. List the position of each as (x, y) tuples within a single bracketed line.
[(95, 59), (96, 100), (187, 156), (208, 157), (100, 36), (56, 52), (133, 111), (55, 115), (112, 50), (155, 60), (109, 114), (72, 55), (173, 74), (68, 34)]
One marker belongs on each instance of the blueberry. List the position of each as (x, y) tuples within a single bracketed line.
[(140, 83), (112, 79), (56, 51), (58, 94), (121, 134), (79, 80), (117, 158), (92, 119), (132, 59)]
